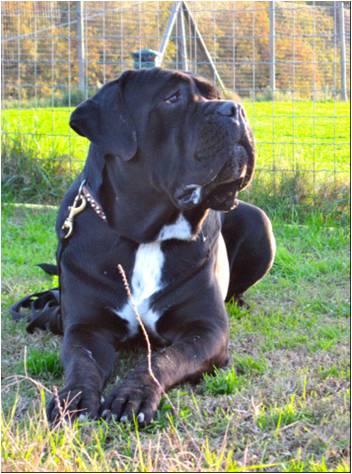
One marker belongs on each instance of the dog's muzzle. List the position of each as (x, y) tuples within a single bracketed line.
[(220, 192), (223, 144)]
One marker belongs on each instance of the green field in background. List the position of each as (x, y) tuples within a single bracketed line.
[(289, 135)]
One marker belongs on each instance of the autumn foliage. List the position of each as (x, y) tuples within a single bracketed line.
[(40, 45)]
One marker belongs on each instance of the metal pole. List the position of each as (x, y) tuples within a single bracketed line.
[(165, 40), (182, 41), (341, 27), (272, 46), (199, 37), (81, 47)]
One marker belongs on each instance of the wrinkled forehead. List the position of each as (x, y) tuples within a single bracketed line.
[(155, 83)]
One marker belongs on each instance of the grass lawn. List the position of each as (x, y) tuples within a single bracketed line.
[(302, 135), (302, 153), (281, 405)]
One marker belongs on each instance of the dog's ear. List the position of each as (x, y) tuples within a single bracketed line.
[(105, 121), (206, 88)]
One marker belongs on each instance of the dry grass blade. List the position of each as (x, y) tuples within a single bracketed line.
[(15, 379)]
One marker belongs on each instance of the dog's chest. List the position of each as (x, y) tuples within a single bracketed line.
[(146, 280), (151, 272), (147, 277)]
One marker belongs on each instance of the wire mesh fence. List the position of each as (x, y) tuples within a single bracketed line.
[(288, 61)]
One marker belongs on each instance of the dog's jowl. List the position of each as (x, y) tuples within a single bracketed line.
[(157, 196)]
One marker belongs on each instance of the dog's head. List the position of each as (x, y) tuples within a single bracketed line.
[(168, 134), (163, 142)]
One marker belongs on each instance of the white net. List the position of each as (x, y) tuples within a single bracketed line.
[(289, 61)]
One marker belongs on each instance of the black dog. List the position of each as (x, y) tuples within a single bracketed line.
[(166, 157)]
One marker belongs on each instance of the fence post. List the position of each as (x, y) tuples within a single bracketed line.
[(341, 29), (182, 45), (81, 47), (272, 46), (198, 37), (167, 33)]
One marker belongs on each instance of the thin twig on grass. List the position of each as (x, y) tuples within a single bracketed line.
[(140, 322), (145, 334), (150, 368), (65, 414), (15, 379), (58, 403)]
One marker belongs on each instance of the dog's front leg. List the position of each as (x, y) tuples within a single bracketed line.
[(88, 357), (197, 348)]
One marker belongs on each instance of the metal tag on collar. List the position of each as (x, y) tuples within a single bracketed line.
[(78, 206)]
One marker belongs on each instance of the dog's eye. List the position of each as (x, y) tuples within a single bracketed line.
[(172, 99)]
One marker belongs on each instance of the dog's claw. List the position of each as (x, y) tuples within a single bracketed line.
[(106, 414), (136, 396)]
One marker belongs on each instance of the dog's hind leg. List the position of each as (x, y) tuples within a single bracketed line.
[(250, 245), (41, 310)]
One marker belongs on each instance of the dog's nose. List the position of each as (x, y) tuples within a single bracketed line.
[(228, 109)]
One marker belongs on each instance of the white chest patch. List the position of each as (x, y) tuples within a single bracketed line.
[(145, 282), (222, 267), (180, 229), (147, 274)]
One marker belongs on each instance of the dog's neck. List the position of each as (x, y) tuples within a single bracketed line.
[(140, 213), (134, 208)]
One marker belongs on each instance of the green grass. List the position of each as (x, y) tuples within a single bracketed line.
[(301, 135), (222, 382), (273, 418), (39, 363), (313, 466), (248, 365), (318, 132), (303, 143), (46, 132), (282, 404)]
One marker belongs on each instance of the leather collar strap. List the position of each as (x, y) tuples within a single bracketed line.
[(93, 202), (83, 197)]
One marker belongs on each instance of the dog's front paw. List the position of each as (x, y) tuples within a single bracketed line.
[(72, 402), (137, 395)]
